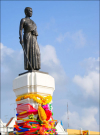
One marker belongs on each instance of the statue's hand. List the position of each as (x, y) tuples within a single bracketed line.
[(21, 41)]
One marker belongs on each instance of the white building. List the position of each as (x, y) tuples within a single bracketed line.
[(2, 127), (10, 124), (7, 127), (60, 129)]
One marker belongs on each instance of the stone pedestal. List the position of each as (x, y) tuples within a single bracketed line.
[(34, 82)]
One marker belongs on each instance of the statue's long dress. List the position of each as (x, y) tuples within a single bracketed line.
[(31, 46)]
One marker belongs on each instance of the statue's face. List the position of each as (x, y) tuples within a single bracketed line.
[(29, 12)]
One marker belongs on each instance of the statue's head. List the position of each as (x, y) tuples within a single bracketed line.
[(28, 11)]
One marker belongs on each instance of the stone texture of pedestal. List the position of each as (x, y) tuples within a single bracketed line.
[(34, 82)]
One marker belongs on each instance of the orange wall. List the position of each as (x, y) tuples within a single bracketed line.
[(73, 132), (78, 132), (94, 133)]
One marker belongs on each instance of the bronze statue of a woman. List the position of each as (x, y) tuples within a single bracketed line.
[(29, 41)]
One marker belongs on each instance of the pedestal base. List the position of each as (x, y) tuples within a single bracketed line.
[(34, 82), (34, 92)]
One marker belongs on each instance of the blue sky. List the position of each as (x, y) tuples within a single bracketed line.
[(69, 44)]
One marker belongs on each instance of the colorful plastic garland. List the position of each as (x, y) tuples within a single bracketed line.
[(37, 122), (35, 128)]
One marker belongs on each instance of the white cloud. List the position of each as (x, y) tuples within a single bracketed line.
[(11, 60), (5, 51), (62, 37), (91, 64), (49, 56), (86, 120), (11, 66), (89, 83), (77, 38), (51, 64)]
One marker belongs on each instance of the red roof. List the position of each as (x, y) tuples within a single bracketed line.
[(9, 121)]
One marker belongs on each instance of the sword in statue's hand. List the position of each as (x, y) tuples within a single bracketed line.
[(22, 44)]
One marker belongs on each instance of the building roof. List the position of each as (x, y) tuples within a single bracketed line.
[(9, 121), (60, 129)]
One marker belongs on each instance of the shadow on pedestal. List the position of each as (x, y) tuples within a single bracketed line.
[(29, 71)]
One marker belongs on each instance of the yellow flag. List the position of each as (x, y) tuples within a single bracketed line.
[(86, 132)]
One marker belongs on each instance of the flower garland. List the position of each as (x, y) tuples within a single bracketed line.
[(39, 121), (36, 97)]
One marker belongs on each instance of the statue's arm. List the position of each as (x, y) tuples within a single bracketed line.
[(36, 32), (20, 30)]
